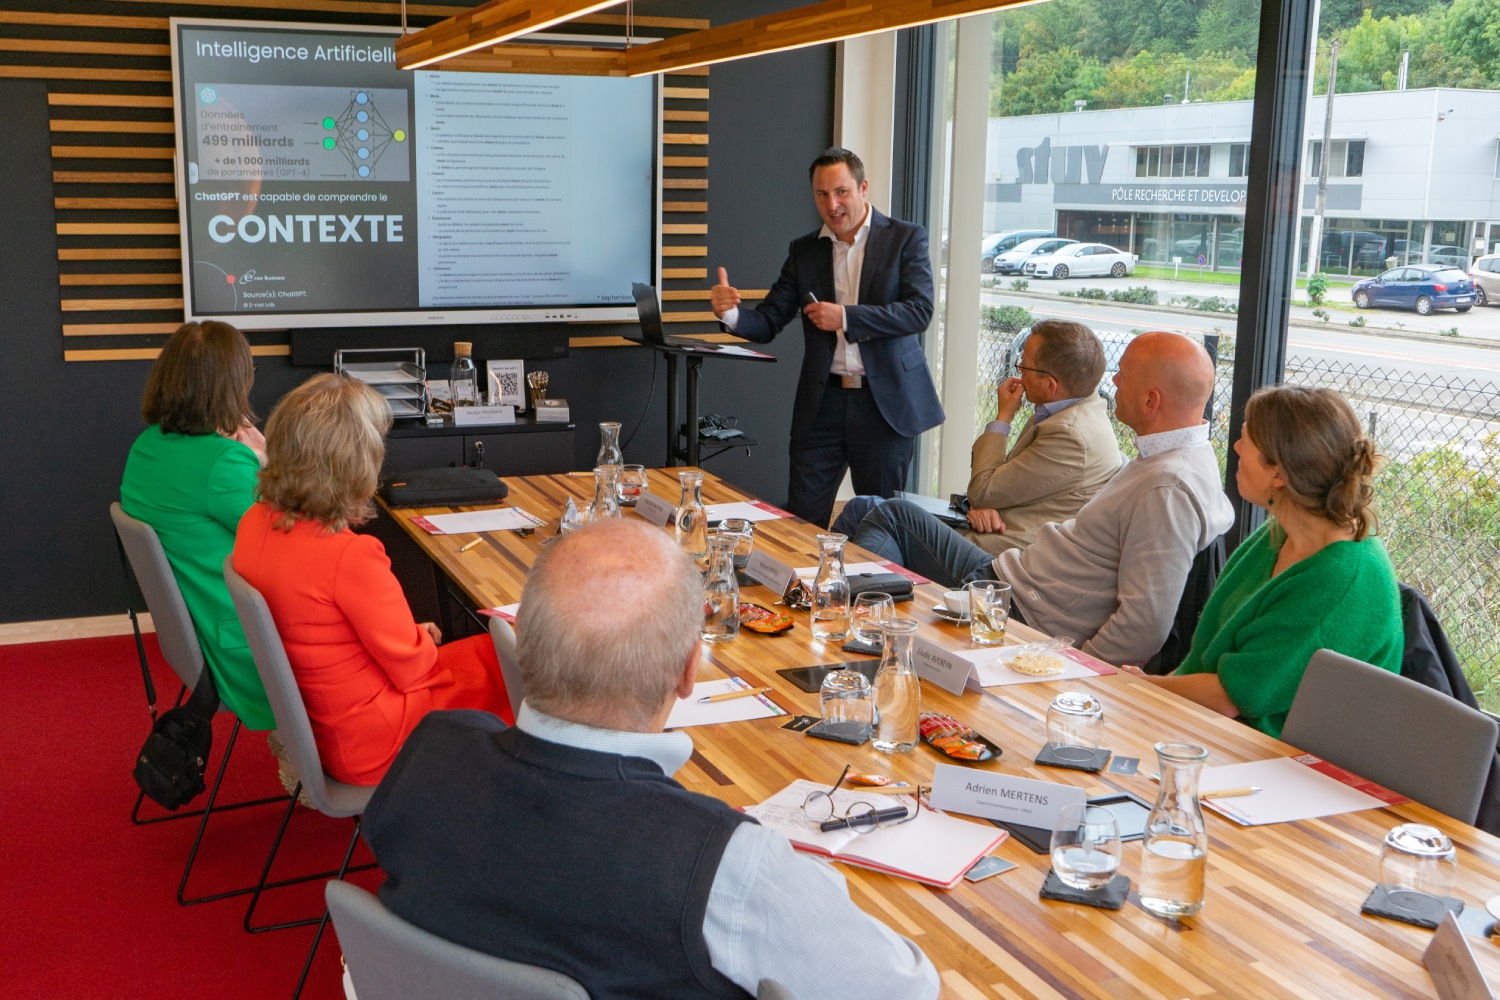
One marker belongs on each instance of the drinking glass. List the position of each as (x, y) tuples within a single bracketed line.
[(1085, 846), (743, 532), (632, 484), (1418, 866), (1075, 723), (989, 609), (871, 610)]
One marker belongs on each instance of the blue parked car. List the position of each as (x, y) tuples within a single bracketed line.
[(1423, 287)]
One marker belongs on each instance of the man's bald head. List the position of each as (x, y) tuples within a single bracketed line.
[(1164, 383), (608, 621)]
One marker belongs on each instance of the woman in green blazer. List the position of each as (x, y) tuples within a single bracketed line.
[(191, 476)]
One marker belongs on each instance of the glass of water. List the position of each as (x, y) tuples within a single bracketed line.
[(989, 610), (1418, 866), (743, 533), (632, 484), (1085, 846), (870, 612)]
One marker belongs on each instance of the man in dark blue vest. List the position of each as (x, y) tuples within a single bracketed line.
[(863, 284), (564, 842)]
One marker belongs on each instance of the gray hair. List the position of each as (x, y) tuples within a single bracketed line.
[(609, 618)]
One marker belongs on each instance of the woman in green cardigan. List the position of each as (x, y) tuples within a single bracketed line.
[(1313, 577), (191, 476)]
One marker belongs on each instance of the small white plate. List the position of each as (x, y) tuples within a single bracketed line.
[(952, 616), (1493, 905)]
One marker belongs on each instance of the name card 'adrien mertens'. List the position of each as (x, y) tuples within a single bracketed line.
[(1023, 801)]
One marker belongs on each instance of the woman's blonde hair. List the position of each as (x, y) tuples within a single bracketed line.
[(201, 381), (325, 442), (1316, 442)]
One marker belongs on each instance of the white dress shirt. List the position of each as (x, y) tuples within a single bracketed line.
[(772, 913), (1165, 441)]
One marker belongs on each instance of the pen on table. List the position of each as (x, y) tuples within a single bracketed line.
[(465, 548), (1230, 793), (731, 695), (580, 475)]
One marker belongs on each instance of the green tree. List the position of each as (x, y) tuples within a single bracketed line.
[(1045, 82), (1228, 25), (1471, 34)]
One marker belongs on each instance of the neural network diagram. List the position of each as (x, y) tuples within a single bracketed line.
[(361, 134)]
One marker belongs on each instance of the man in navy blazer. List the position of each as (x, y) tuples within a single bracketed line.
[(863, 283)]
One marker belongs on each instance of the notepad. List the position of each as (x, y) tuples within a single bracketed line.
[(688, 712), (749, 510), (934, 848), (1291, 788), (494, 519), (851, 569)]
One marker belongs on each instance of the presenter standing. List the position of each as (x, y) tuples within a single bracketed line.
[(863, 283)]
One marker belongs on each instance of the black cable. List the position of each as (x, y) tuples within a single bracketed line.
[(651, 395)]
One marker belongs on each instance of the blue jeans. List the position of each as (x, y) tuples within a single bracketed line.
[(855, 511), (904, 533)]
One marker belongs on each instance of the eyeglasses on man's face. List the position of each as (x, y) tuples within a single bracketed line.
[(1044, 373)]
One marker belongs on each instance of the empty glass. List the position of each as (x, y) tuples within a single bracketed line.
[(1418, 866), (1085, 846), (1075, 724), (989, 610), (743, 533), (847, 703), (871, 610)]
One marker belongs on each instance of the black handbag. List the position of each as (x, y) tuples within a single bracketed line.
[(898, 586), (170, 766), (448, 487)]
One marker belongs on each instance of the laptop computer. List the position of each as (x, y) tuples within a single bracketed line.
[(648, 308)]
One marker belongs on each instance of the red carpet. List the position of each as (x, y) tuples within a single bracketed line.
[(87, 899)]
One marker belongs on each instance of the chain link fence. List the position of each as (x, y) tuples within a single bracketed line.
[(1437, 495)]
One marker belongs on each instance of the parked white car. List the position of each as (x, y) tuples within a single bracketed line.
[(1080, 259), (1012, 261)]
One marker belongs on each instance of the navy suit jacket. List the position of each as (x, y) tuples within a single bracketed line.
[(895, 306)]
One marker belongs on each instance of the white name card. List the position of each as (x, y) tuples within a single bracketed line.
[(998, 796), (1452, 965), (654, 509), (946, 668), (770, 572), (475, 416)]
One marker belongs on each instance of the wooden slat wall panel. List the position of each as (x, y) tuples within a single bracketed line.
[(108, 75)]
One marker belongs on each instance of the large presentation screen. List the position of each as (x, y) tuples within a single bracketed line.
[(319, 185)]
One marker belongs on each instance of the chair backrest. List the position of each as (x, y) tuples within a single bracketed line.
[(504, 638), (328, 796), (1393, 731), (169, 614), (1202, 575), (390, 959)]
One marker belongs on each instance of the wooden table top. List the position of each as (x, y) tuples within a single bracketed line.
[(1282, 917)]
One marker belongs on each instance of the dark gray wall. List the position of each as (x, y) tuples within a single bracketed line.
[(68, 426)]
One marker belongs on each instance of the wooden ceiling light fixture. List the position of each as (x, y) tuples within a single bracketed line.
[(488, 25)]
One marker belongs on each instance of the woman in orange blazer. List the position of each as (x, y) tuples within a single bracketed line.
[(367, 671)]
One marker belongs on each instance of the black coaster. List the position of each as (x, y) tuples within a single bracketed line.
[(1425, 911), (860, 646), (1071, 757), (1111, 897), (745, 580)]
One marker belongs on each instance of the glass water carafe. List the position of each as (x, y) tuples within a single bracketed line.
[(463, 379), (1174, 853), (606, 494), (898, 691), (690, 520), (721, 592), (609, 445), (830, 613)]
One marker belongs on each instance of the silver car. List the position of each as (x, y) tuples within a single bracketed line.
[(1486, 274)]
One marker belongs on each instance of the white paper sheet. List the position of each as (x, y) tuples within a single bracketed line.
[(744, 509), (1290, 790), (991, 671), (494, 519), (808, 572), (687, 711)]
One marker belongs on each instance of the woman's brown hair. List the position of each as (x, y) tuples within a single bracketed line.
[(201, 382), (1316, 443), (325, 442)]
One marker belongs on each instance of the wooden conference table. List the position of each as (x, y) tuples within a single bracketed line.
[(1282, 917)]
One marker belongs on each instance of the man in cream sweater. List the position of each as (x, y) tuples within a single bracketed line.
[(1111, 577)]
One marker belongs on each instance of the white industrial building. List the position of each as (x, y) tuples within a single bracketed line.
[(1414, 174)]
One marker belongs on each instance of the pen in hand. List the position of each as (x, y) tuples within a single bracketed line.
[(731, 695)]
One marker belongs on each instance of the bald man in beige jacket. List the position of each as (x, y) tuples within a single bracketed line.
[(1061, 458)]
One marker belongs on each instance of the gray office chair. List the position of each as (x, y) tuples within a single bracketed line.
[(390, 959), (504, 638), (178, 639), (1393, 731), (330, 797)]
